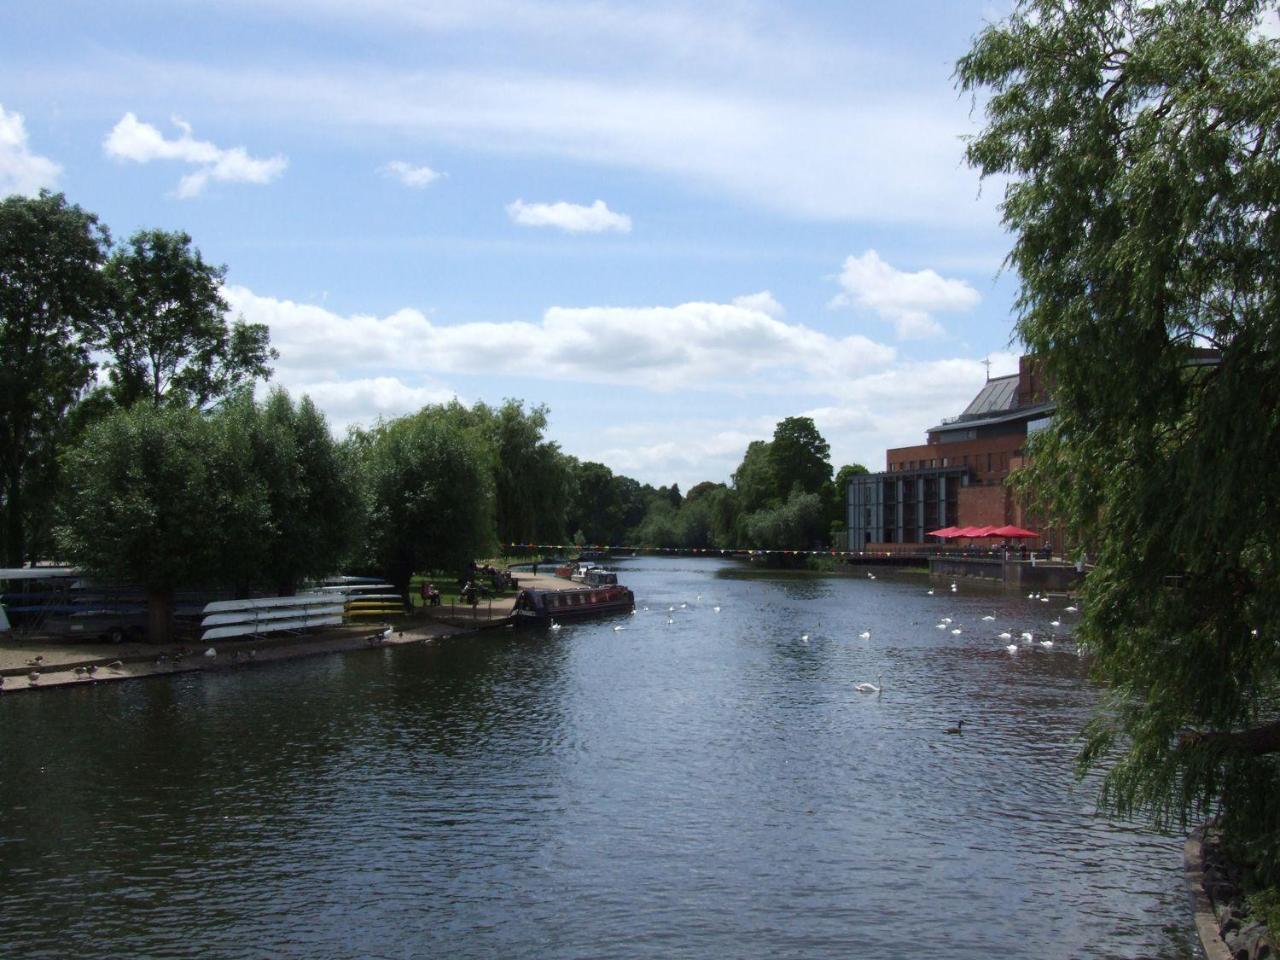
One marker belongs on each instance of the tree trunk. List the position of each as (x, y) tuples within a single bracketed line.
[(14, 541), (160, 614)]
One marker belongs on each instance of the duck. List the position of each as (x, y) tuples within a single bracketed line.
[(958, 728), (876, 687)]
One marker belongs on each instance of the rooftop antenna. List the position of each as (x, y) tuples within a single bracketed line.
[(987, 363)]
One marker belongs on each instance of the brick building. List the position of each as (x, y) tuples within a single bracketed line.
[(957, 476)]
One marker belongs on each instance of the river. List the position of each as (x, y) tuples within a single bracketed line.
[(684, 783)]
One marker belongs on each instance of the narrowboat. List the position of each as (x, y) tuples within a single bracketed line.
[(537, 605)]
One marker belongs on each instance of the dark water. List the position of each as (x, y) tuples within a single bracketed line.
[(711, 787)]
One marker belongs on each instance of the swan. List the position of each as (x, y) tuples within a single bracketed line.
[(876, 687), (1044, 599), (554, 625), (633, 612), (804, 637), (988, 617), (953, 588), (1027, 637), (716, 609), (942, 626), (211, 652), (698, 597), (957, 727), (671, 609), (955, 632), (617, 629), (871, 576), (1055, 623), (1046, 643), (865, 635), (683, 606), (670, 620), (1072, 609), (1006, 635), (931, 593), (1011, 647)]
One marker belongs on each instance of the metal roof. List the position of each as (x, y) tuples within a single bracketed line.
[(1032, 412), (998, 396)]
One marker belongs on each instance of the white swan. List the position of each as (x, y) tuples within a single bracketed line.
[(1072, 609), (942, 626), (876, 687), (988, 617), (716, 609), (865, 635), (617, 629), (1027, 637), (955, 632), (1006, 636), (1046, 643), (931, 593), (804, 637), (554, 625), (1055, 623), (1011, 647)]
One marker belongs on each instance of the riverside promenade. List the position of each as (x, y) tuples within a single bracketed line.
[(28, 664)]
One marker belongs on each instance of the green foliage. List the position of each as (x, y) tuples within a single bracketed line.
[(754, 480), (51, 293), (312, 490), (800, 457), (1139, 143), (795, 525), (166, 331), (162, 497), (532, 478), (428, 480)]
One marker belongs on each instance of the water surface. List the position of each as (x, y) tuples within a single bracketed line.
[(709, 787)]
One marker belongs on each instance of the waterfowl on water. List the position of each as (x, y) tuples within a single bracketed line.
[(865, 635), (955, 632), (1012, 647), (1005, 636), (1046, 643), (554, 625), (958, 728), (1072, 609), (617, 629), (988, 617), (716, 609), (876, 687), (1055, 623)]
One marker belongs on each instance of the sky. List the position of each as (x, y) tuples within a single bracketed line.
[(674, 224)]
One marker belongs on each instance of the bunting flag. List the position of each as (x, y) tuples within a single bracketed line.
[(709, 551)]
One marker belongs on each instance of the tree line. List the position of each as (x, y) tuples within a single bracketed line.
[(132, 445)]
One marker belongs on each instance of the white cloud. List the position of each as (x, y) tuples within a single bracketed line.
[(763, 301), (132, 139), (907, 300), (570, 217), (22, 171), (410, 175), (361, 401), (714, 347)]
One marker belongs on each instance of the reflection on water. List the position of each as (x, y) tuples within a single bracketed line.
[(709, 787)]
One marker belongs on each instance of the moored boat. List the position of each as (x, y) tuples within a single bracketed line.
[(533, 604)]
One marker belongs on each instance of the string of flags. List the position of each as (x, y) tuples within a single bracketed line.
[(709, 551)]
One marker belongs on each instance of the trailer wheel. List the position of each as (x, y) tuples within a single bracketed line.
[(116, 635)]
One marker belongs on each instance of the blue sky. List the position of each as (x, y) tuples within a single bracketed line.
[(673, 223)]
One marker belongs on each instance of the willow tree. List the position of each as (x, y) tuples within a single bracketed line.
[(1138, 144)]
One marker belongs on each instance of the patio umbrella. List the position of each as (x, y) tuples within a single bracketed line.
[(1014, 533), (943, 532)]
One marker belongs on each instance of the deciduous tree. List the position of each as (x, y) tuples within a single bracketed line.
[(1140, 144), (51, 297), (167, 332)]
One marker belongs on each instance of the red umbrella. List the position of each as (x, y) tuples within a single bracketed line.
[(1016, 533), (943, 532)]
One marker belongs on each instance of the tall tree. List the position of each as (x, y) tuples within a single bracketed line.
[(164, 497), (1140, 142), (755, 480), (311, 486), (531, 475), (428, 480), (167, 332), (51, 297), (800, 457)]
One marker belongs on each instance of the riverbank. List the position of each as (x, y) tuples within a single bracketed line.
[(42, 663)]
